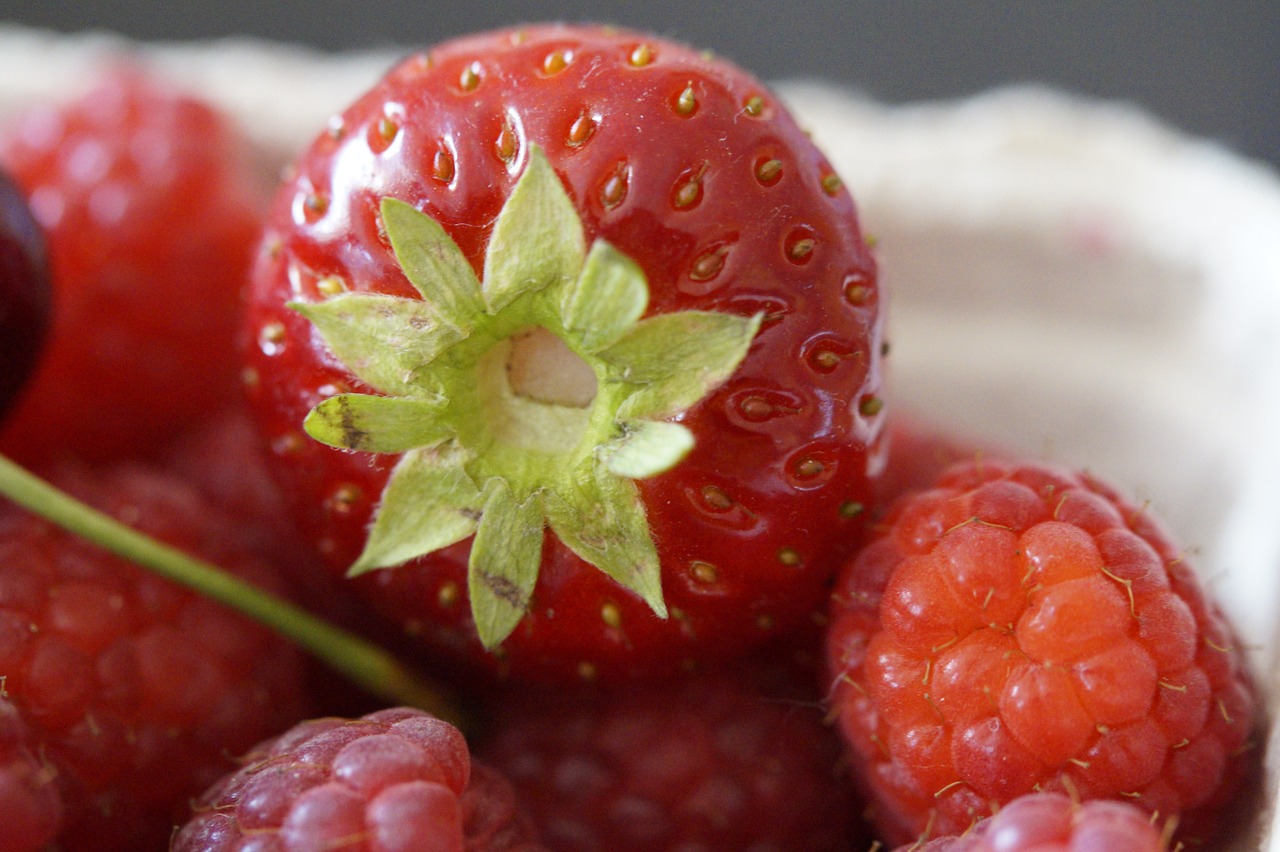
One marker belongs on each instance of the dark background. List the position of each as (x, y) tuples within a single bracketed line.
[(1210, 68)]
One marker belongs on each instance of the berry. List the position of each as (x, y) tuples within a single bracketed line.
[(392, 780), (707, 762), (918, 451), (1018, 627), (224, 460), (29, 798), (1054, 822), (24, 291), (647, 435), (146, 200), (133, 691)]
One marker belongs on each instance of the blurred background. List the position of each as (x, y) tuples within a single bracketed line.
[(1210, 68)]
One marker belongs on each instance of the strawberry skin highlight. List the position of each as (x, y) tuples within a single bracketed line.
[(691, 171), (1017, 627)]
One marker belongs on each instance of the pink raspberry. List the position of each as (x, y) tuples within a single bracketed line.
[(396, 779), (1017, 628), (1054, 822)]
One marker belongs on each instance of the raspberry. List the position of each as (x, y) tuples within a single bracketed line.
[(29, 798), (223, 460), (917, 452), (1054, 822), (151, 213), (1019, 627), (707, 762), (133, 692), (396, 779)]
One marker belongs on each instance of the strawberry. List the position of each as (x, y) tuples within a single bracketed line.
[(726, 760), (24, 291), (150, 211), (1018, 627), (395, 779), (131, 693), (600, 325), (1054, 822)]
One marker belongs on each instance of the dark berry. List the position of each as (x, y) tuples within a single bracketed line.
[(24, 291)]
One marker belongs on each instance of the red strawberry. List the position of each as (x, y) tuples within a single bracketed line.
[(392, 780), (706, 762), (1054, 822), (1018, 627), (145, 197), (24, 291), (134, 692), (597, 466)]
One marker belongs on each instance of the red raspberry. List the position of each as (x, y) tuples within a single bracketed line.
[(702, 763), (224, 460), (29, 798), (917, 452), (133, 691), (1054, 822), (146, 199), (1018, 627), (392, 780)]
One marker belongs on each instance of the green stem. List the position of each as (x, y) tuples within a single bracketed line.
[(363, 662)]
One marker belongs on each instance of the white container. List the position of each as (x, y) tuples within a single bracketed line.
[(1067, 278)]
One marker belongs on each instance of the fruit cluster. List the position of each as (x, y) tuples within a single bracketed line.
[(553, 367)]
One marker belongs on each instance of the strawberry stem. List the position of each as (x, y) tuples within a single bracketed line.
[(364, 662)]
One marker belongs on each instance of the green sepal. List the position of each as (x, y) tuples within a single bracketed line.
[(476, 457), (433, 263), (607, 299), (385, 340), (601, 518), (504, 562), (537, 239), (678, 359), (429, 503), (377, 424), (646, 448)]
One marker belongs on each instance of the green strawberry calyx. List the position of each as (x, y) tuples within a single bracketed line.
[(532, 399)]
